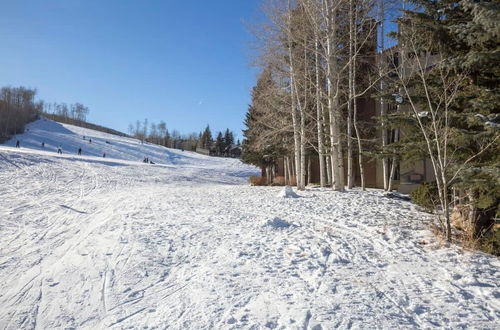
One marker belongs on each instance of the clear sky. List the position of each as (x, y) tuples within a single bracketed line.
[(183, 61)]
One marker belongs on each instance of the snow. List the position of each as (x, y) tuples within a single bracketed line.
[(287, 192), (94, 243), (71, 138)]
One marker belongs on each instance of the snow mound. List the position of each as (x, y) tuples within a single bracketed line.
[(277, 223), (287, 192)]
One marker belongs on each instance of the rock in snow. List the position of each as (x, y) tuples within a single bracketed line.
[(277, 223), (93, 243)]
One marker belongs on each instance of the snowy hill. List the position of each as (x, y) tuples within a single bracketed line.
[(93, 243), (117, 148)]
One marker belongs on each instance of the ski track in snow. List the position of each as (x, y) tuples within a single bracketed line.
[(89, 243)]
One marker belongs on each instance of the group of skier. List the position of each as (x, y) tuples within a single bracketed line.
[(79, 151), (59, 148)]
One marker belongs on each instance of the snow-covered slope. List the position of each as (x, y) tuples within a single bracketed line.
[(92, 243), (71, 138)]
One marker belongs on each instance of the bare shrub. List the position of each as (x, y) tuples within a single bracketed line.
[(279, 181), (257, 181)]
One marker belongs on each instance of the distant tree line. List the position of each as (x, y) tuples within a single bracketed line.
[(77, 111), (17, 108), (158, 133), (73, 114), (218, 146), (81, 123)]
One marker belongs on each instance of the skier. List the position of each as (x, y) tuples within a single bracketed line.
[(43, 144), (59, 150), (17, 144), (79, 151), (90, 140), (104, 155)]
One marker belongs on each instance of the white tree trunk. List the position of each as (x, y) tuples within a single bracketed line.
[(285, 170), (319, 118), (355, 112), (328, 161), (295, 124), (302, 142), (308, 170), (302, 154), (383, 112), (350, 98), (333, 108)]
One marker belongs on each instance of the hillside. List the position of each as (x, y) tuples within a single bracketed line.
[(94, 243), (81, 123), (71, 138)]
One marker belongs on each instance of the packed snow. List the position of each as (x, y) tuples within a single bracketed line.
[(287, 192), (185, 243)]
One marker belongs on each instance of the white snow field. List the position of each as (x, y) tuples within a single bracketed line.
[(93, 243)]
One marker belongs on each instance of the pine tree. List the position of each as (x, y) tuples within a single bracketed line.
[(476, 33), (264, 139), (219, 144), (457, 42), (228, 138), (206, 138)]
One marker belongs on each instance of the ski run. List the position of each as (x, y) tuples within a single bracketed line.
[(185, 243)]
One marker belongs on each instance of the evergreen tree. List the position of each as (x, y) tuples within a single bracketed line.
[(206, 138), (219, 144), (457, 42), (228, 138), (263, 141)]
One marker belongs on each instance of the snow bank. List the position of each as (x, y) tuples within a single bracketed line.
[(287, 192)]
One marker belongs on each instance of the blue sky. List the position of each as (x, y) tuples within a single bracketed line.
[(182, 61)]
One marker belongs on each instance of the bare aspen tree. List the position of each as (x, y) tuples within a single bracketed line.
[(302, 110), (355, 104), (333, 89), (350, 97), (319, 112), (363, 37), (383, 111), (314, 48), (395, 134), (286, 24)]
